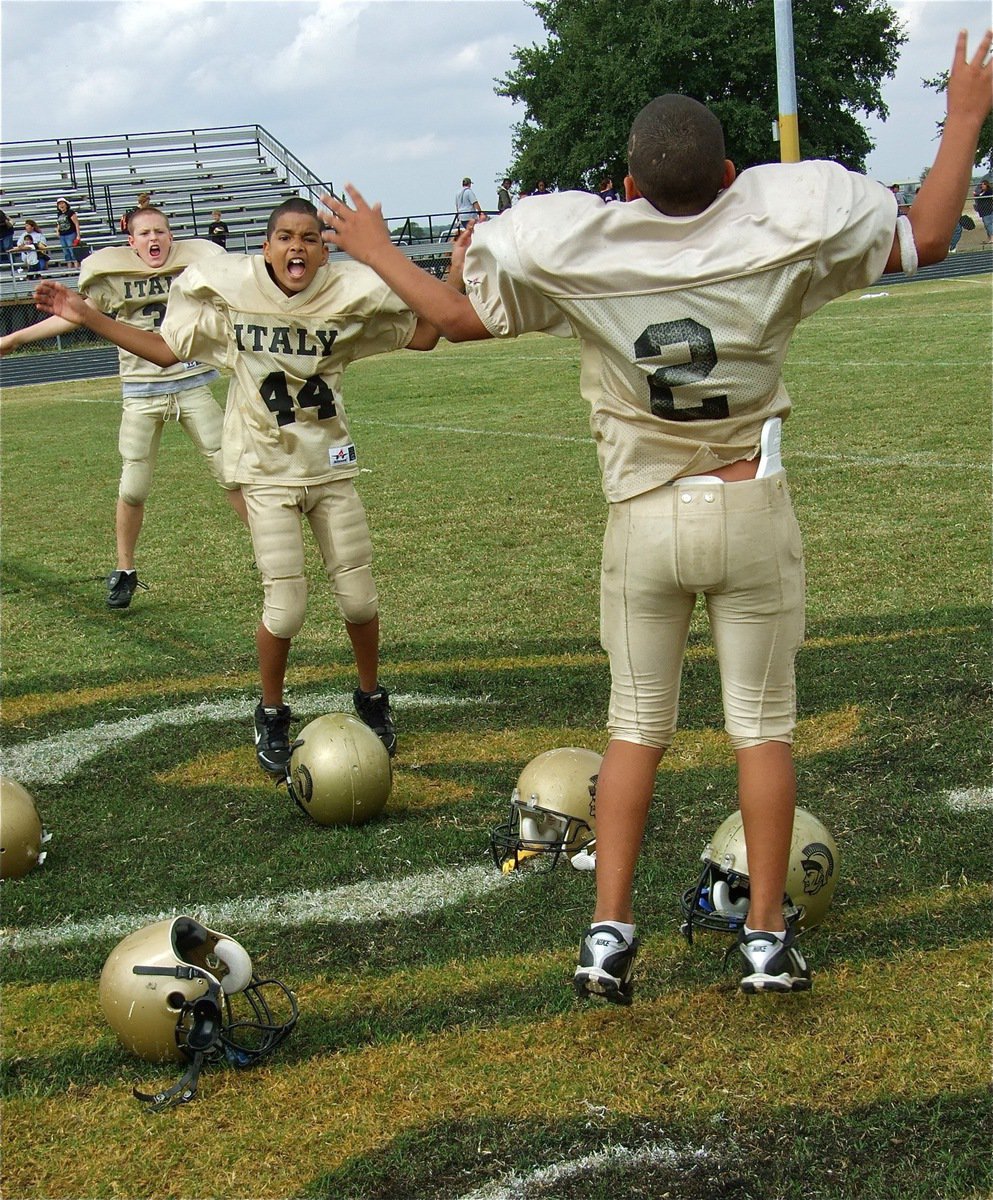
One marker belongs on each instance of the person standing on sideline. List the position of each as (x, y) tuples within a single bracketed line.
[(983, 201), (684, 300), (131, 283), (467, 207), (503, 196)]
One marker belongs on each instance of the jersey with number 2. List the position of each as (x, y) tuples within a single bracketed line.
[(684, 321)]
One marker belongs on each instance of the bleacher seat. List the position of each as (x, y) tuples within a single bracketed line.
[(243, 171)]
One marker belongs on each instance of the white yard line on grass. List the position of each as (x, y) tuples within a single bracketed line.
[(517, 1187), (977, 799), (53, 759), (924, 461), (381, 900)]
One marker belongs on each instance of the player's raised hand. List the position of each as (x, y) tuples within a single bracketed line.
[(970, 81), (60, 301), (360, 230)]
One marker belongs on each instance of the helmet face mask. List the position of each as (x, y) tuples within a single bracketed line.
[(176, 991), (552, 810), (339, 771), (719, 900)]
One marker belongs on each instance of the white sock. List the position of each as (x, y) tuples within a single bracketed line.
[(766, 933), (625, 931)]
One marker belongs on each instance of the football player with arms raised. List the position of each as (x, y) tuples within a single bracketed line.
[(132, 282), (684, 301), (286, 324)]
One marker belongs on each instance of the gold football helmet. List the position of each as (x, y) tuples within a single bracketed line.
[(169, 992), (339, 772), (21, 834), (552, 809), (720, 898)]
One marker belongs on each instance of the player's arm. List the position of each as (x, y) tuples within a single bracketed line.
[(938, 205), (361, 232), (60, 301), (49, 328), (425, 336)]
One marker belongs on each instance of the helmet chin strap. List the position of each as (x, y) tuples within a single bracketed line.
[(204, 1034)]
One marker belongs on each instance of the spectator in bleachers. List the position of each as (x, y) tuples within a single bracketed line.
[(67, 227), (217, 231), (144, 200), (7, 234), (33, 249)]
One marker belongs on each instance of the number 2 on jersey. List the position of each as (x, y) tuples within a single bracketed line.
[(703, 359)]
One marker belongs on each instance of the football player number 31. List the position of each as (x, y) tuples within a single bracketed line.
[(703, 359), (315, 393)]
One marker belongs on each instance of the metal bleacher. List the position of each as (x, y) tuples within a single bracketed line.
[(242, 171)]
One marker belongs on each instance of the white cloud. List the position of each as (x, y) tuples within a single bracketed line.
[(396, 95)]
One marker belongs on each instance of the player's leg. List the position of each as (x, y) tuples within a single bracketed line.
[(341, 530), (202, 418), (138, 444), (277, 541), (623, 796), (644, 622), (757, 623)]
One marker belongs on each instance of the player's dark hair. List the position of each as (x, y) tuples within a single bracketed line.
[(295, 204), (676, 154), (148, 210)]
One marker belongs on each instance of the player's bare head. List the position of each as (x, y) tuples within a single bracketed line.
[(297, 205), (143, 214), (676, 154), (149, 235), (294, 249)]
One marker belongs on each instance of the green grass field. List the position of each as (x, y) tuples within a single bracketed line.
[(440, 1052)]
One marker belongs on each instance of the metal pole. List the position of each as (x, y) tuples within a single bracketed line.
[(789, 134)]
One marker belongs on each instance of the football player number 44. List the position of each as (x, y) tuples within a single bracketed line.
[(315, 393)]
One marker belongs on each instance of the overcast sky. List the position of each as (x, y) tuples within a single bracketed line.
[(394, 95)]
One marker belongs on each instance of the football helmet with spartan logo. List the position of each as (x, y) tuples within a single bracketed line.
[(720, 898), (339, 772), (22, 836), (178, 991), (552, 809)]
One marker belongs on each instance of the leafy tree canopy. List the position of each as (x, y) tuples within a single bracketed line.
[(984, 151), (605, 59)]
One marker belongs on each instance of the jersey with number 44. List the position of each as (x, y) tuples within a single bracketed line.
[(124, 286), (684, 321), (285, 420)]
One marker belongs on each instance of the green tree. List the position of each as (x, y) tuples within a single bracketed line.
[(984, 151), (605, 59)]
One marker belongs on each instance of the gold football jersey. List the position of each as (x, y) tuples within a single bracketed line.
[(684, 321), (121, 284), (285, 420)]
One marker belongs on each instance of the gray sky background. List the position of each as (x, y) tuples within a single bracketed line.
[(393, 95)]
